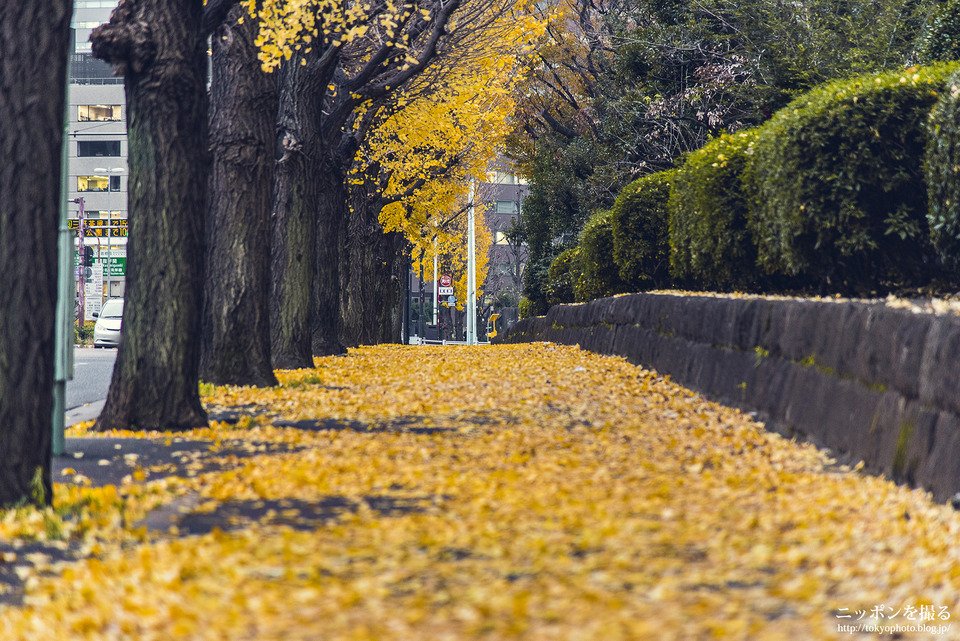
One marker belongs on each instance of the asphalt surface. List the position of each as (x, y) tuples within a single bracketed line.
[(86, 391)]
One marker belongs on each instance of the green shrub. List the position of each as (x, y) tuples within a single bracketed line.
[(524, 309), (942, 168), (564, 272), (536, 282), (641, 237), (711, 245), (83, 335), (837, 191), (599, 274), (941, 40)]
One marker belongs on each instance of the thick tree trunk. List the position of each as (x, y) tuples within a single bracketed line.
[(34, 46), (333, 213), (369, 283), (296, 202), (400, 278), (235, 347), (157, 45)]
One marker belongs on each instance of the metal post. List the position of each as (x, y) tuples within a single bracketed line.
[(436, 284), (421, 321), (63, 336), (81, 272), (110, 225), (405, 331), (470, 304)]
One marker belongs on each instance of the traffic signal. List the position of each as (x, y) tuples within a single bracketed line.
[(88, 256)]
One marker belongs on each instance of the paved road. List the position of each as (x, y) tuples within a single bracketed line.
[(92, 369)]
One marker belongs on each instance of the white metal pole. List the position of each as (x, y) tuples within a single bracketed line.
[(470, 305), (436, 284)]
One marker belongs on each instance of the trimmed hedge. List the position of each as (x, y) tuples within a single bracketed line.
[(640, 223), (942, 168), (837, 187), (710, 241), (599, 274)]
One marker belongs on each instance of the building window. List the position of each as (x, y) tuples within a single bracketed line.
[(88, 148), (114, 183), (100, 113), (86, 70), (506, 207), (94, 183), (102, 213)]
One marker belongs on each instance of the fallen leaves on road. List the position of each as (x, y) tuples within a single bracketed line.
[(530, 492)]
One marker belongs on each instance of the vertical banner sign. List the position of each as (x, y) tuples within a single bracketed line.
[(93, 294)]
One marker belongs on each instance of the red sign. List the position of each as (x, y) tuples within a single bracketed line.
[(446, 280)]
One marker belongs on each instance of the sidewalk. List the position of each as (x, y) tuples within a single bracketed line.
[(528, 492)]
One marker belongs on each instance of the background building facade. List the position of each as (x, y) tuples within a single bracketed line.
[(97, 156)]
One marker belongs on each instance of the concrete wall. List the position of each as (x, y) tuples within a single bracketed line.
[(868, 381)]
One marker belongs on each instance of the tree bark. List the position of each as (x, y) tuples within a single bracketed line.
[(158, 47), (34, 42), (296, 202), (399, 280), (369, 279), (332, 216), (235, 348)]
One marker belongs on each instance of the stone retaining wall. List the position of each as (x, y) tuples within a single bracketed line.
[(869, 381)]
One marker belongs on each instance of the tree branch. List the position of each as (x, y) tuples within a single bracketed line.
[(125, 41), (214, 13)]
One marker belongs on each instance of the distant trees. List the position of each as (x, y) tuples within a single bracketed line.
[(624, 89), (283, 149)]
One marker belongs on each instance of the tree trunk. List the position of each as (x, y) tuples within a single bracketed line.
[(332, 215), (157, 45), (296, 202), (369, 300), (399, 280), (34, 49), (235, 347)]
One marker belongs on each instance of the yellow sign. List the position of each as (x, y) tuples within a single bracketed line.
[(73, 223), (99, 227)]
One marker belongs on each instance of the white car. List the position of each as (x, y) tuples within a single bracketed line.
[(106, 333)]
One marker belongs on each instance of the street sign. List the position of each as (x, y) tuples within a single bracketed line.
[(445, 291), (115, 267), (446, 280), (102, 227), (451, 300)]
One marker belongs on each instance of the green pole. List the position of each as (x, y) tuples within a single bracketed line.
[(63, 354)]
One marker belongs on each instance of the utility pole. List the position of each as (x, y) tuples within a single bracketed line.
[(111, 222), (81, 272), (63, 336), (421, 321), (470, 305)]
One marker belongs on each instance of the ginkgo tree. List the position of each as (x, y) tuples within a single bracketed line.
[(339, 65), (437, 136)]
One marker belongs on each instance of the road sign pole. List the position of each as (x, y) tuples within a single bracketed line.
[(81, 231), (63, 334), (469, 305)]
